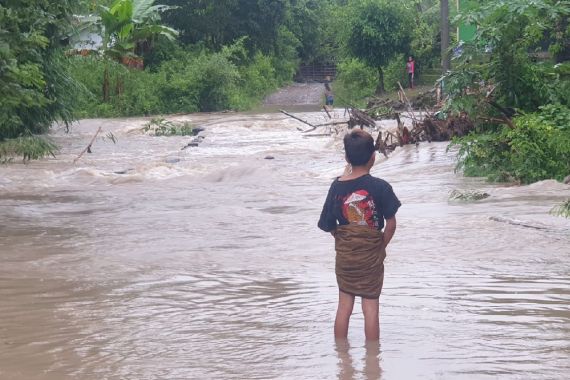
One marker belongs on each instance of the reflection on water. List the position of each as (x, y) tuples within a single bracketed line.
[(348, 369), (144, 261)]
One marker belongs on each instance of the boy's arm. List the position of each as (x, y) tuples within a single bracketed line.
[(327, 221), (389, 230)]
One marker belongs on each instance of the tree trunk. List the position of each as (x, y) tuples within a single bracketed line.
[(120, 85), (444, 23), (380, 88), (562, 37), (106, 84)]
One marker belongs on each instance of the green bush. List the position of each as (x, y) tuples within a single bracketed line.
[(562, 209), (133, 92), (395, 72), (27, 147), (535, 150), (195, 80), (285, 59), (35, 89), (257, 79), (355, 81), (159, 126)]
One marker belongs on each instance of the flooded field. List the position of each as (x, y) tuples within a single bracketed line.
[(145, 261)]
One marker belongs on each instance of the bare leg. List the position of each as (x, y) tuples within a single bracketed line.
[(370, 309), (345, 305)]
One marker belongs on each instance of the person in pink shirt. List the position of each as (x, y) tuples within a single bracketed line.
[(411, 69)]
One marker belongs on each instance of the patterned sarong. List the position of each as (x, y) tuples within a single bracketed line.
[(360, 258)]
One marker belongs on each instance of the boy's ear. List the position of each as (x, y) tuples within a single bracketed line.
[(372, 159)]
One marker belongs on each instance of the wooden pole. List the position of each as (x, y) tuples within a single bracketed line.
[(88, 147), (301, 120), (444, 23)]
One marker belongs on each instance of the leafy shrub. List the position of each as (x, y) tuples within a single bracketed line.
[(27, 147), (395, 72), (533, 151), (133, 92), (257, 79), (555, 114), (35, 88), (162, 127), (356, 81), (562, 209), (195, 80), (285, 59)]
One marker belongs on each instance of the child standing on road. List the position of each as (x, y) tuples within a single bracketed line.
[(411, 70), (355, 209)]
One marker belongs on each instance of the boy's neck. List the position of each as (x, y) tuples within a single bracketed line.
[(357, 171)]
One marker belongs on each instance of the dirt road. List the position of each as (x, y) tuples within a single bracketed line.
[(297, 94)]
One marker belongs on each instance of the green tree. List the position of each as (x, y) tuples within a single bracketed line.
[(35, 87), (129, 25), (377, 30), (508, 31), (216, 23)]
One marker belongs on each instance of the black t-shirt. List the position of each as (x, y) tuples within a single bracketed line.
[(364, 200)]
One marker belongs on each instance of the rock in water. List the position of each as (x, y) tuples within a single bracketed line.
[(567, 180), (269, 157)]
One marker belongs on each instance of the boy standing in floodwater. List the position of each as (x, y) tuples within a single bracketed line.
[(354, 212), (329, 98)]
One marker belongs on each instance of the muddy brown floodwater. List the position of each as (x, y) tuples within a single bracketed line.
[(144, 261)]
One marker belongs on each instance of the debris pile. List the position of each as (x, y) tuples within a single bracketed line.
[(427, 122)]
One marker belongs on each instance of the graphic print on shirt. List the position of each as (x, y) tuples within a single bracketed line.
[(359, 208)]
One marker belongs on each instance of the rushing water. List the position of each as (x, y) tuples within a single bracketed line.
[(144, 261)]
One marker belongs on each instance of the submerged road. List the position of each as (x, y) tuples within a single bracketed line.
[(145, 261)]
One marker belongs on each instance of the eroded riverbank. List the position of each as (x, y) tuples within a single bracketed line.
[(211, 265)]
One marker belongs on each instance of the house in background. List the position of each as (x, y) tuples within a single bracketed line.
[(87, 36)]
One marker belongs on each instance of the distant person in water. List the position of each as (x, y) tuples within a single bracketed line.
[(358, 206), (411, 70), (329, 98)]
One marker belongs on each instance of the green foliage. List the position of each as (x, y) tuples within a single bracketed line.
[(355, 81), (425, 44), (162, 127), (395, 72), (466, 93), (378, 30), (532, 151), (555, 114), (222, 22), (136, 95), (257, 79), (468, 195), (26, 147), (35, 88), (501, 61), (285, 57), (562, 209), (127, 24), (507, 31), (194, 80)]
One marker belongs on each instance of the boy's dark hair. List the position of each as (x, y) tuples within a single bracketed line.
[(359, 147)]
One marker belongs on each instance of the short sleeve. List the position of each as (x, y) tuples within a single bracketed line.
[(389, 203), (327, 221)]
